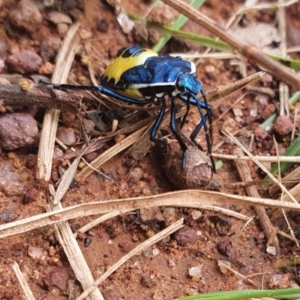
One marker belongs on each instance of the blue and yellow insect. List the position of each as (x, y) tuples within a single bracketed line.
[(140, 76)]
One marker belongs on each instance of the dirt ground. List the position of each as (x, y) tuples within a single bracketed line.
[(186, 263)]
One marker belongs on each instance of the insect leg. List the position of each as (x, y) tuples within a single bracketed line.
[(188, 105), (63, 87), (100, 89), (157, 124), (175, 132), (203, 123)]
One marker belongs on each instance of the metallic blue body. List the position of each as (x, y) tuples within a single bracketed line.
[(154, 77)]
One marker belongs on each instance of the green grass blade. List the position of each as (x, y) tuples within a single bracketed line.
[(292, 150), (291, 63), (180, 21), (205, 41), (292, 293)]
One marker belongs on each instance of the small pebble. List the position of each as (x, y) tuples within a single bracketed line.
[(57, 152), (148, 253), (196, 214), (58, 17), (66, 135), (171, 263), (69, 117), (163, 14), (10, 182), (26, 15), (7, 216), (152, 214), (280, 281), (195, 272), (148, 281), (268, 110), (227, 249), (87, 241), (48, 3), (237, 111), (154, 36), (85, 34), (253, 112), (186, 235), (3, 49), (119, 138), (211, 72), (271, 250), (223, 268), (155, 251), (260, 133), (36, 253), (31, 195), (126, 246), (262, 99), (62, 29), (125, 22), (17, 130), (169, 215), (293, 38), (222, 224), (140, 31), (91, 156), (49, 48), (2, 65), (102, 25), (46, 69), (283, 125), (135, 174), (267, 79), (24, 61), (59, 278)]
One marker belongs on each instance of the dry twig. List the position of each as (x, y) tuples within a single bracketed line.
[(13, 95), (269, 229)]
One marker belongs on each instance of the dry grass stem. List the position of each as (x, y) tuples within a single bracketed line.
[(283, 88), (60, 74), (186, 198), (111, 152), (97, 221), (75, 257), (222, 55), (66, 181), (225, 90), (25, 287), (146, 244), (245, 278), (290, 180), (275, 159), (261, 6)]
